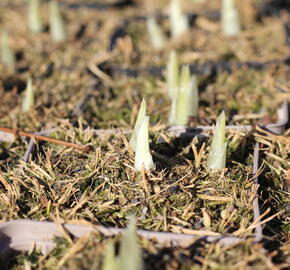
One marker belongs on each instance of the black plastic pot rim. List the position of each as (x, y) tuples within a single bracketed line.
[(206, 68), (96, 5)]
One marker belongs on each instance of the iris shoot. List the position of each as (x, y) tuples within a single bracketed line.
[(141, 115), (28, 101), (143, 157), (56, 24), (183, 92), (178, 21), (34, 17), (8, 57), (156, 36), (218, 149), (230, 18)]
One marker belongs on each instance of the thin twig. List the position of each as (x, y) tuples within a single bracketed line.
[(44, 138), (271, 136)]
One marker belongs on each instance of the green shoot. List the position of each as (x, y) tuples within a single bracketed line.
[(7, 55), (130, 257), (185, 102), (56, 24), (172, 75), (111, 262), (218, 149), (34, 18), (178, 21), (28, 100), (141, 115), (130, 253), (187, 99), (143, 158), (156, 36), (230, 18)]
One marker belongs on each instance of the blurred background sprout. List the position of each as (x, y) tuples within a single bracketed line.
[(230, 18), (156, 35), (56, 24), (28, 100), (34, 17), (178, 21), (182, 90), (7, 54)]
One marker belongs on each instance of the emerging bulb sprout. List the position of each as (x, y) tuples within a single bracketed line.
[(56, 24), (143, 158), (130, 257), (183, 92), (230, 18), (7, 55), (34, 18), (187, 98), (130, 253), (139, 141), (156, 36), (172, 75), (141, 115), (28, 101), (218, 149), (178, 21), (111, 262)]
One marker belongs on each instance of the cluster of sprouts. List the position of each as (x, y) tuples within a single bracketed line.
[(183, 92), (35, 25), (139, 143), (179, 25), (56, 24), (182, 86)]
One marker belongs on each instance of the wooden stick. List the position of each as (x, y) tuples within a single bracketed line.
[(44, 138)]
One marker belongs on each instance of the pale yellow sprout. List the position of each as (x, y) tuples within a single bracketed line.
[(218, 149), (230, 18), (143, 157), (130, 257), (56, 24), (141, 115), (156, 36), (28, 100), (130, 252), (178, 21), (34, 17), (111, 262), (185, 103), (7, 55), (172, 75)]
